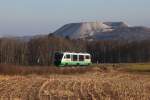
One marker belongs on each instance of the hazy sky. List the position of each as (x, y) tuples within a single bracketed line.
[(30, 17)]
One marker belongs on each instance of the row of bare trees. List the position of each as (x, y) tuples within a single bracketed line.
[(40, 51), (120, 51), (13, 51), (37, 51)]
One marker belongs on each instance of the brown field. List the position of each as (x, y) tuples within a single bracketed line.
[(92, 83)]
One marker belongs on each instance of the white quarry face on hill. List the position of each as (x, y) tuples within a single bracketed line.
[(78, 30)]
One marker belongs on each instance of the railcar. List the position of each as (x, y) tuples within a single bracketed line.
[(72, 59)]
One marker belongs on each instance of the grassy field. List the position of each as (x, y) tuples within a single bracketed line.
[(145, 67), (98, 82)]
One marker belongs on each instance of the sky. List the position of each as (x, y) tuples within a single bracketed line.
[(31, 17)]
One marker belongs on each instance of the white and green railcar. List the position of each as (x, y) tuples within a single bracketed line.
[(72, 59)]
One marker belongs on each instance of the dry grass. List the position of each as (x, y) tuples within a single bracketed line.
[(6, 69), (93, 85)]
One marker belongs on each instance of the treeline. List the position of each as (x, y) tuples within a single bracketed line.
[(40, 51), (120, 51), (37, 51)]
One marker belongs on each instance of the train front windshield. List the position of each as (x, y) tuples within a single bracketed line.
[(58, 56)]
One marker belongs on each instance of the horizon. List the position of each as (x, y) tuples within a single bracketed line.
[(23, 18)]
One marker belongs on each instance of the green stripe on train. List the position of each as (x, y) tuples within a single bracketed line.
[(74, 63)]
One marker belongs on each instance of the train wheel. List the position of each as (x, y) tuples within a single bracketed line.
[(66, 64), (78, 64)]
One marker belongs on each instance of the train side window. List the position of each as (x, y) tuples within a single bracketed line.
[(81, 58), (87, 57), (67, 57), (75, 57)]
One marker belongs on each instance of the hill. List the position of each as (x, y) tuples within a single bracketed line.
[(103, 31)]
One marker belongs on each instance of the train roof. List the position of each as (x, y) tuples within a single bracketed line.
[(77, 53)]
